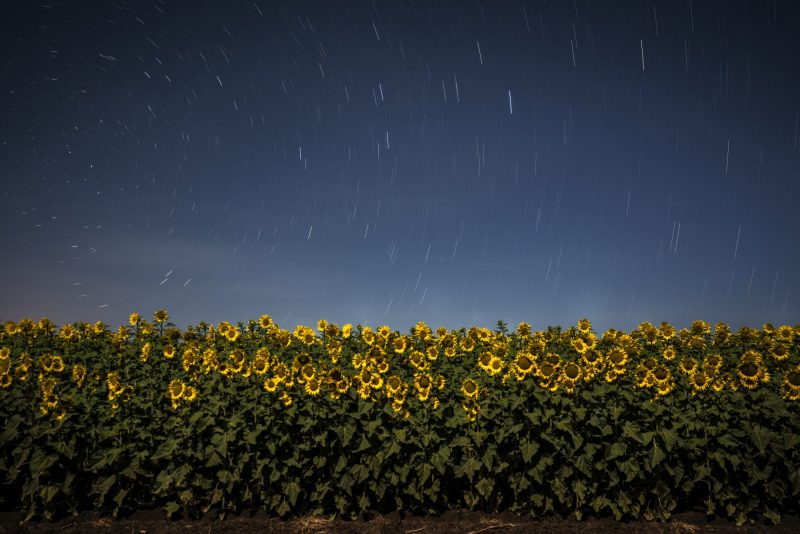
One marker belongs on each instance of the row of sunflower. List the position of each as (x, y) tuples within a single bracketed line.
[(520, 390), (647, 359)]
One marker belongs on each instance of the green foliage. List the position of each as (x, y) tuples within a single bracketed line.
[(601, 449)]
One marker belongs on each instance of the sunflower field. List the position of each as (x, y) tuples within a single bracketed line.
[(342, 420)]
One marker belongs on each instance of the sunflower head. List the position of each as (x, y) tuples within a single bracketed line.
[(161, 316), (785, 333), (265, 321), (175, 389), (468, 344), (190, 393), (699, 381), (780, 352), (700, 327), (312, 387), (618, 357), (469, 388), (523, 364), (688, 365)]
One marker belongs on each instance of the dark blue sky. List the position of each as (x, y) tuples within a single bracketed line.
[(387, 162)]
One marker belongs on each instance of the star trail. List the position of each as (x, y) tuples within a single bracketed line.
[(389, 162)]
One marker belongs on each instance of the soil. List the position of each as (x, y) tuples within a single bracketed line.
[(154, 522)]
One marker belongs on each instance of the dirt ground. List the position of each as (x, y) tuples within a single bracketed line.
[(153, 522)]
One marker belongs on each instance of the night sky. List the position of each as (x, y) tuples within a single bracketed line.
[(386, 162)]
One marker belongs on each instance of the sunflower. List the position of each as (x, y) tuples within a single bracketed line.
[(260, 365), (265, 321), (190, 393), (570, 376), (472, 408), (712, 364), (169, 352), (313, 387), (161, 316), (232, 334), (584, 325), (450, 351), (661, 375), (134, 319), (790, 388), (374, 353), (467, 344), (668, 354), (579, 345), (785, 334), (495, 366), (469, 388), (592, 361), (699, 382), (664, 388), (375, 381), (688, 366), (644, 377), (700, 327), (282, 372), (99, 327), (618, 358), (545, 371), (308, 371), (397, 405), (394, 385), (399, 345), (751, 373), (68, 332), (79, 374), (367, 335), (721, 333), (523, 329), (417, 360), (176, 389), (423, 382), (440, 382), (485, 361), (347, 329), (523, 365), (285, 398), (432, 353), (382, 366), (5, 380), (342, 385), (113, 382), (780, 352), (144, 355), (384, 332), (752, 356)]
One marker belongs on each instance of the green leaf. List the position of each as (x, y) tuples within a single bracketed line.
[(617, 449), (632, 431), (292, 490), (346, 433), (469, 467), (485, 487), (439, 458), (172, 507), (655, 455), (528, 449), (670, 438), (760, 436)]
